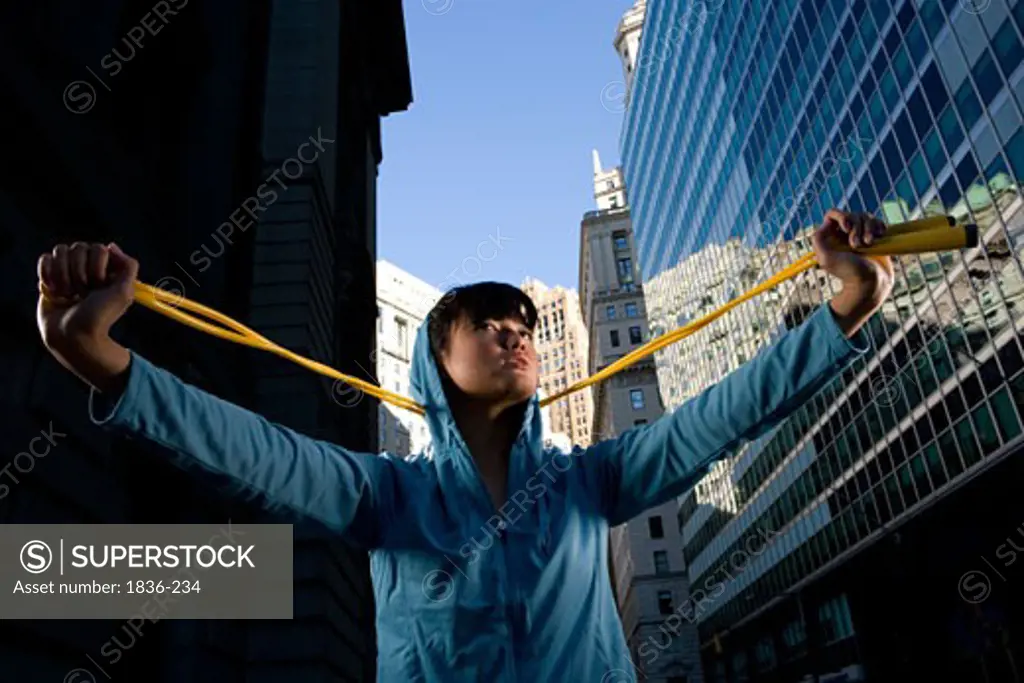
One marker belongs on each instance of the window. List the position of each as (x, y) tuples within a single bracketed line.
[(620, 240), (1008, 49), (615, 338), (834, 617), (625, 266), (615, 202), (739, 667), (765, 654), (610, 184), (403, 336), (654, 526), (634, 335), (665, 602), (636, 397), (660, 562), (610, 312), (631, 310), (966, 102), (794, 636)]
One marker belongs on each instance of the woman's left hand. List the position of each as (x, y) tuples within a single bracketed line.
[(867, 280)]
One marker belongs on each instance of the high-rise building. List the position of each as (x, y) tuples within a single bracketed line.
[(562, 347), (403, 303), (648, 569), (627, 39), (232, 148), (750, 124)]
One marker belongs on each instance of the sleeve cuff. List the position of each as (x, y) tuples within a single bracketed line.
[(841, 347), (111, 411)]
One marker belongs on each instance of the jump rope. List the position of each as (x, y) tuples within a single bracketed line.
[(922, 236)]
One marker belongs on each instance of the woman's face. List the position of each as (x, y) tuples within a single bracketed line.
[(494, 360)]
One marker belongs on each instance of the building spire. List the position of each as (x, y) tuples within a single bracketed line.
[(597, 163)]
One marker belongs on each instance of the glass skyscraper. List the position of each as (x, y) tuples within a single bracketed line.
[(745, 123)]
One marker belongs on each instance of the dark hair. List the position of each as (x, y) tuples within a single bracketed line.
[(478, 302)]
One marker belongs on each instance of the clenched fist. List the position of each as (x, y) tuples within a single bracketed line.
[(857, 230), (867, 280), (84, 290)]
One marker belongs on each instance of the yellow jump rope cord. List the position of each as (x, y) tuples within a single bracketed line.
[(926, 235)]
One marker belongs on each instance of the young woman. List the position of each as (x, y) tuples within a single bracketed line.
[(489, 553)]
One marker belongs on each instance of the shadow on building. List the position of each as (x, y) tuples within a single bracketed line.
[(151, 124), (934, 599)]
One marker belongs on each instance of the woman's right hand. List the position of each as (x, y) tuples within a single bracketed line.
[(84, 290)]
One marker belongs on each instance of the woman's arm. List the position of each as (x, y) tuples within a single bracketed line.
[(86, 288), (352, 493), (650, 465)]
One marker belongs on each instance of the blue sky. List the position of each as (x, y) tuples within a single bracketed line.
[(496, 146)]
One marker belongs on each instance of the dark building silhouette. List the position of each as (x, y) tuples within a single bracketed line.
[(155, 125)]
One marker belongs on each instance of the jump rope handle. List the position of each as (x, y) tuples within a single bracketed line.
[(923, 236)]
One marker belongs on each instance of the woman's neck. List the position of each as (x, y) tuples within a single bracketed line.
[(489, 432)]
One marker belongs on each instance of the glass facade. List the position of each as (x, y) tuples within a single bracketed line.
[(742, 130)]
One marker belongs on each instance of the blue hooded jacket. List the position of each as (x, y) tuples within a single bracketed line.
[(465, 592)]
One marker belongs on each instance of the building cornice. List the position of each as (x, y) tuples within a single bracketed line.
[(599, 216), (619, 294)]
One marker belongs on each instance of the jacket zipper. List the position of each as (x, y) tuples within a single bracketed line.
[(502, 568)]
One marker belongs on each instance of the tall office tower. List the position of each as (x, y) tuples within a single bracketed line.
[(403, 303), (855, 539), (647, 552), (561, 342), (232, 148)]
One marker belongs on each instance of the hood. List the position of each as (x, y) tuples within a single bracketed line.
[(456, 467)]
